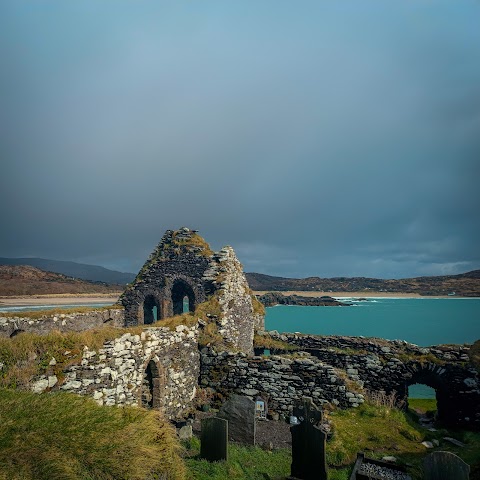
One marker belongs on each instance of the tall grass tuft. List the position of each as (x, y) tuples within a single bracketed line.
[(67, 437), (380, 398)]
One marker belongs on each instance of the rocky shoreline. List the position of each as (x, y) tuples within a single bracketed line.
[(271, 299)]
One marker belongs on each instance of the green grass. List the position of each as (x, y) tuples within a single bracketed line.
[(423, 406), (67, 437), (249, 463), (375, 430)]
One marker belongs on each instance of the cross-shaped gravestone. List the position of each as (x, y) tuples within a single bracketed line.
[(214, 439), (445, 466), (308, 443)]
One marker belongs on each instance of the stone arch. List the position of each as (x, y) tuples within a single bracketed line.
[(153, 385), (181, 289), (431, 375)]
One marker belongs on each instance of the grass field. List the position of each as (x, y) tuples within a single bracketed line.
[(66, 437)]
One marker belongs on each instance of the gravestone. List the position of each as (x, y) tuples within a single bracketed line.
[(240, 413), (214, 439), (445, 466), (308, 443)]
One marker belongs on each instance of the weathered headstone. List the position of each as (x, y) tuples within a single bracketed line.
[(445, 466), (240, 413), (308, 443), (214, 439)]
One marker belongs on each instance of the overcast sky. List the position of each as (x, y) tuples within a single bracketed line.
[(327, 138)]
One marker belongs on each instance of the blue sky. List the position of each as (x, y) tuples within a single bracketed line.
[(329, 138)]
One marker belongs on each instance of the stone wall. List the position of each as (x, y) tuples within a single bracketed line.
[(377, 364), (158, 368), (65, 322), (282, 380)]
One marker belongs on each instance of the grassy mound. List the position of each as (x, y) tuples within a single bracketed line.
[(376, 430), (66, 437)]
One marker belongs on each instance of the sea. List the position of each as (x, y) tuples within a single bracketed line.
[(422, 321)]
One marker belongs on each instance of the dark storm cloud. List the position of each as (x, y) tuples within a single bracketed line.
[(332, 138)]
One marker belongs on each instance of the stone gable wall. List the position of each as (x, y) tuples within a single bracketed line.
[(237, 319)]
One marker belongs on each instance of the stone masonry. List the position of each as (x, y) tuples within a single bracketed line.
[(391, 366), (282, 380), (117, 374)]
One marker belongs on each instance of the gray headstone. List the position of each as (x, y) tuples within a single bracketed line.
[(185, 432), (214, 439), (445, 466), (308, 443), (240, 413)]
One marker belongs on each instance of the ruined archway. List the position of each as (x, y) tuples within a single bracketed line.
[(151, 309), (153, 386), (182, 295), (431, 377)]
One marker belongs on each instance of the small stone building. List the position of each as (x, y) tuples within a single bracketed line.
[(183, 272)]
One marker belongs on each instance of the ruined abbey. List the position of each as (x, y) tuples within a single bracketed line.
[(216, 342)]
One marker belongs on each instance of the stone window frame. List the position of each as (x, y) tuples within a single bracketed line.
[(159, 382)]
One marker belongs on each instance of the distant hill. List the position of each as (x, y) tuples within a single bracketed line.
[(93, 273), (465, 284), (27, 280)]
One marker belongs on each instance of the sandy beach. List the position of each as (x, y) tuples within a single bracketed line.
[(62, 299), (71, 299)]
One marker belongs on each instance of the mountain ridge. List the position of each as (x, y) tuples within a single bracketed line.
[(16, 280), (83, 271), (463, 284)]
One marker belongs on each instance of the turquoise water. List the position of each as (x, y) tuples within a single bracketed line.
[(423, 321)]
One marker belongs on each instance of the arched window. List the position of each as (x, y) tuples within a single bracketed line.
[(183, 298), (151, 310), (186, 304)]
